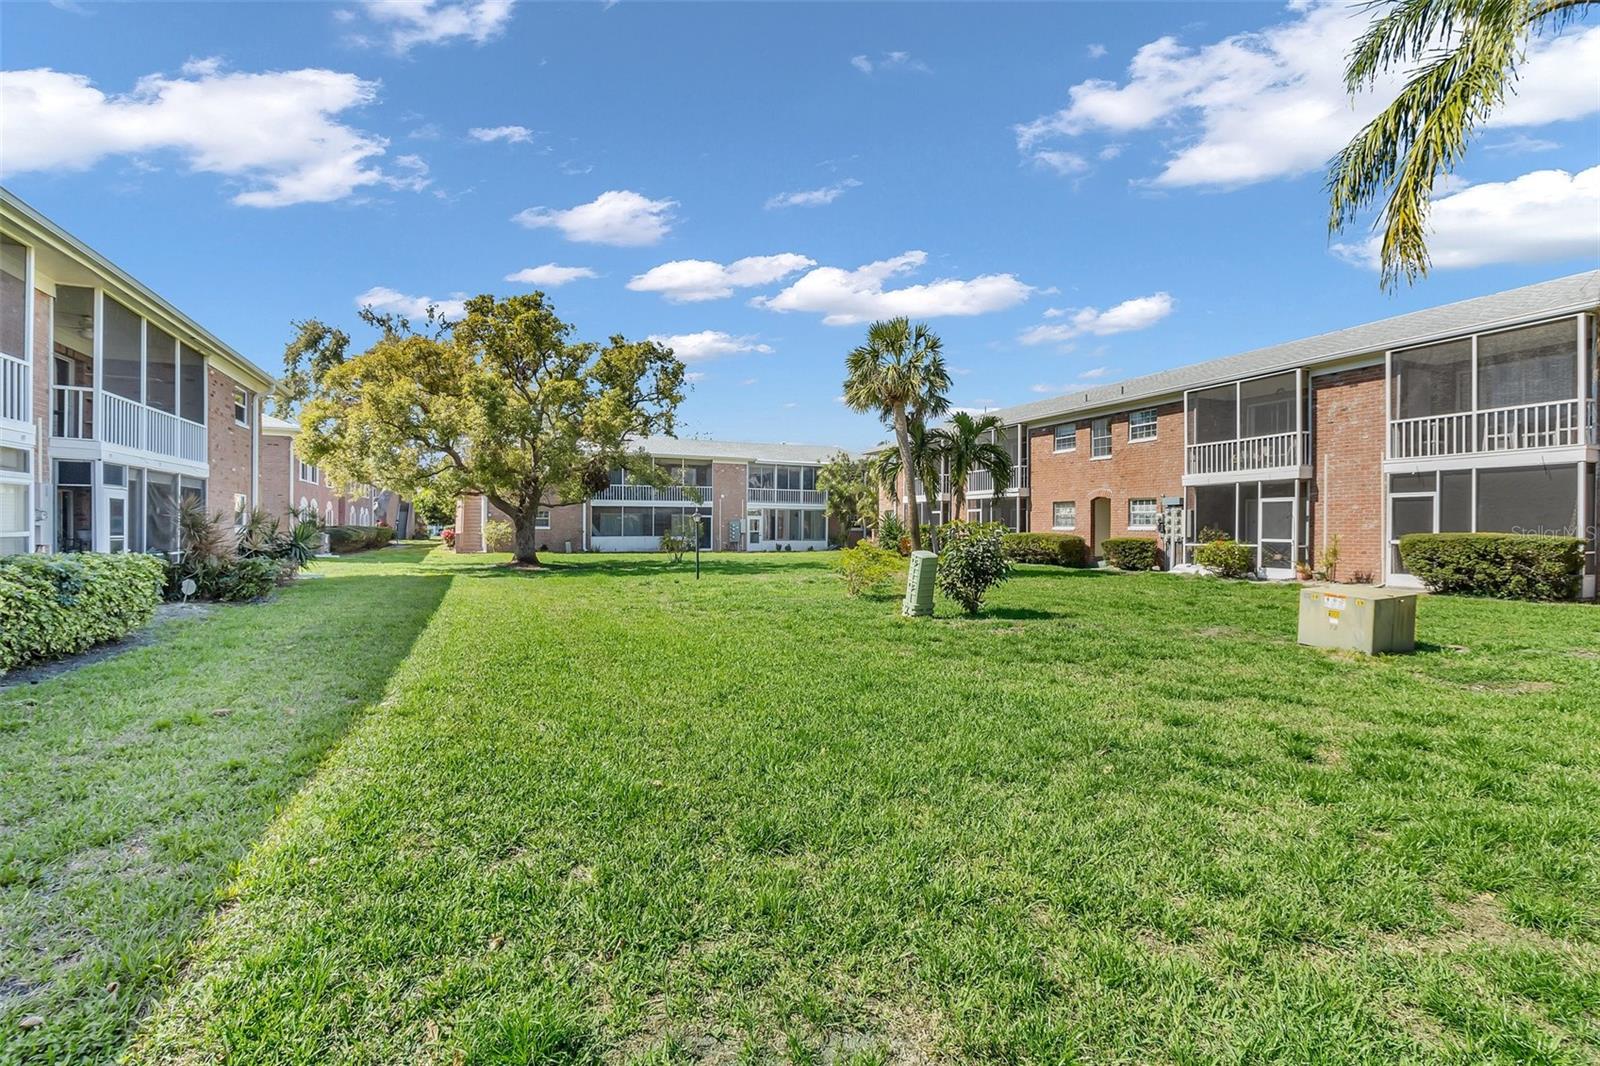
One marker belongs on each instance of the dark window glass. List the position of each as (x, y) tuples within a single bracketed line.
[(1435, 380), (1527, 366), (1455, 501), (160, 369), (1529, 499), (120, 350)]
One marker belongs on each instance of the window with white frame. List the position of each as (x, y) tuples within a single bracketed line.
[(241, 406), (1064, 514), (1142, 424), (15, 510), (241, 507), (541, 518), (1100, 439), (1067, 437), (309, 474), (1142, 514)]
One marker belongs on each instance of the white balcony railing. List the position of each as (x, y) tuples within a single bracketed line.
[(795, 496), (125, 423), (651, 494), (72, 412), (1528, 427), (16, 388), (1273, 451)]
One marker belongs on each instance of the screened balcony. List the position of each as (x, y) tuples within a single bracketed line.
[(784, 483), (691, 483), (1526, 389), (981, 482), (16, 377), (1254, 428), (151, 390)]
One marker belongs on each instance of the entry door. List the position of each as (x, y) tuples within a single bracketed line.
[(753, 524), (1099, 523), (1277, 524), (116, 520), (1409, 512)]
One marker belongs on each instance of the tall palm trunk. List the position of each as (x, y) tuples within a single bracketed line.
[(902, 437)]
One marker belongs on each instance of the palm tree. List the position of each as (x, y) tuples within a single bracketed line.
[(1465, 53), (899, 373), (924, 462), (967, 444)]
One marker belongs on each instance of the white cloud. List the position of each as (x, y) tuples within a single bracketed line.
[(1061, 162), (275, 133), (1142, 312), (1270, 104), (382, 298), (1095, 372), (889, 61), (846, 297), (1044, 389), (1518, 143), (619, 217), (1548, 214), (694, 375), (509, 134), (404, 24), (1096, 51), (709, 344), (694, 280), (812, 197), (550, 275), (199, 67)]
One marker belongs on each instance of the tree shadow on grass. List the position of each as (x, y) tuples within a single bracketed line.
[(135, 785)]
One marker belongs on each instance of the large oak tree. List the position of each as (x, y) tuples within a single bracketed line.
[(503, 402)]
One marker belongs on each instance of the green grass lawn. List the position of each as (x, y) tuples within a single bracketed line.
[(608, 813)]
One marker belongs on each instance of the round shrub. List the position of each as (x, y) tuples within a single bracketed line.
[(867, 566), (1225, 558), (971, 563), (498, 536)]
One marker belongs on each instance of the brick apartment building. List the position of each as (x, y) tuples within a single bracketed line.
[(749, 497), (114, 405), (292, 487), (1473, 416)]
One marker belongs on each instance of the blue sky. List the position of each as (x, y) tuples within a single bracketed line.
[(1070, 193)]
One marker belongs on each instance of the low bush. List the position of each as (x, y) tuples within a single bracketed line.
[(971, 563), (1225, 558), (343, 540), (1131, 553), (55, 605), (498, 535), (890, 529), (448, 535), (866, 567), (1507, 565), (1062, 549)]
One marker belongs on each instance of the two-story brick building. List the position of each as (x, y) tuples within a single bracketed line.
[(748, 496), (1472, 416), (293, 487), (114, 405)]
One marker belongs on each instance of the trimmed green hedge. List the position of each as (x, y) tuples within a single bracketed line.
[(56, 605), (1062, 549), (1227, 558), (1131, 553), (346, 539), (1508, 565)]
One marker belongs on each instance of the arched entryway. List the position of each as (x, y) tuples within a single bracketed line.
[(1099, 523)]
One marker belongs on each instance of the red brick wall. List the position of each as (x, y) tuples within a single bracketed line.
[(227, 443), (1348, 420), (1136, 469), (730, 491), (276, 456)]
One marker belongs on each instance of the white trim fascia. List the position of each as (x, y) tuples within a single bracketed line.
[(1541, 457), (1277, 473)]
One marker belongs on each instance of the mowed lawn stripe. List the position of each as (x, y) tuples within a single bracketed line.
[(133, 785), (610, 813)]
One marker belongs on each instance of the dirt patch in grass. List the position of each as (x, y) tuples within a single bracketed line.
[(1479, 922)]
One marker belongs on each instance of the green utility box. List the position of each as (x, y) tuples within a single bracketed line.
[(1364, 618), (919, 585)]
